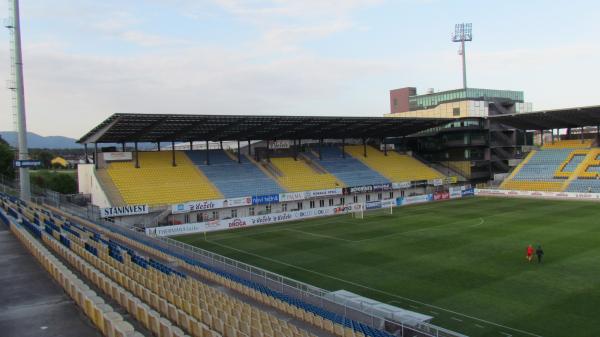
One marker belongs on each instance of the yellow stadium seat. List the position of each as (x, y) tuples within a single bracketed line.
[(297, 176), (396, 167), (157, 182)]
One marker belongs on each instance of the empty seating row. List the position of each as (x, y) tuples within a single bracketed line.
[(157, 182), (234, 179), (395, 167), (347, 169), (569, 143), (297, 176)]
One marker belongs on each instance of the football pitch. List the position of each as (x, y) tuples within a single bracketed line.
[(460, 261)]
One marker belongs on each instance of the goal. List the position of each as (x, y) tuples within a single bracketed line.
[(362, 210)]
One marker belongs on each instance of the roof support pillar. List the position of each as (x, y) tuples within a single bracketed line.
[(364, 140), (207, 159), (525, 137), (295, 150), (87, 161), (581, 135), (542, 137), (123, 146), (343, 148), (268, 150), (221, 145), (191, 145), (249, 148), (137, 158), (320, 145), (384, 147), (239, 154), (96, 155), (552, 136), (158, 146), (173, 153)]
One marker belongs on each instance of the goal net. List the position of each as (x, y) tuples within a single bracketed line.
[(371, 209)]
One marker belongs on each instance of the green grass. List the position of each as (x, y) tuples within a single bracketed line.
[(461, 261)]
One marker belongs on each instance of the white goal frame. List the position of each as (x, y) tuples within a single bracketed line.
[(359, 210)]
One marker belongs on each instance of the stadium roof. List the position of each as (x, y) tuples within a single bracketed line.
[(552, 119), (120, 128)]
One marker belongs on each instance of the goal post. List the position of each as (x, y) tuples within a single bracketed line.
[(368, 209)]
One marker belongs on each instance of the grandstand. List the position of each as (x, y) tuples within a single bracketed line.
[(299, 175)]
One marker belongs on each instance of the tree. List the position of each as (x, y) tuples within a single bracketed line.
[(44, 156), (7, 156)]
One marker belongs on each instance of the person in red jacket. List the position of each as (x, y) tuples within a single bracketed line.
[(530, 251)]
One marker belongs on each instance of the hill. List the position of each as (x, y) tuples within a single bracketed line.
[(36, 141)]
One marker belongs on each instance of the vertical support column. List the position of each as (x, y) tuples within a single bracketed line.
[(123, 146), (173, 153), (320, 145), (87, 160), (137, 159), (191, 145), (96, 155), (581, 135), (207, 158), (542, 137), (239, 152), (268, 150), (384, 147), (249, 148), (364, 147), (343, 148), (221, 145), (525, 137), (295, 150), (552, 136), (158, 146)]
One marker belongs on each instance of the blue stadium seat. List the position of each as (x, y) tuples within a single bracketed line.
[(349, 170), (234, 179)]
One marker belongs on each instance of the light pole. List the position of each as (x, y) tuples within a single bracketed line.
[(462, 34)]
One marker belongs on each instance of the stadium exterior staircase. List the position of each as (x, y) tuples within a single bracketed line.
[(395, 167), (234, 179), (349, 170), (157, 182), (298, 176)]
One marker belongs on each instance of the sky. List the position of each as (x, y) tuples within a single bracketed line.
[(87, 59)]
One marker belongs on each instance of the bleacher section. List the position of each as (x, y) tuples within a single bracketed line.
[(348, 170), (297, 176), (234, 179), (566, 165), (158, 182), (168, 301), (395, 167)]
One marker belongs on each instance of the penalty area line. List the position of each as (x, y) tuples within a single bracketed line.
[(375, 290)]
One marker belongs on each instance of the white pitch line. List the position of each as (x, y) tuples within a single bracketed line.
[(456, 319), (317, 235), (481, 222), (375, 290), (505, 334), (479, 326)]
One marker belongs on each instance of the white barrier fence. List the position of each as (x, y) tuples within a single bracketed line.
[(537, 194), (216, 225)]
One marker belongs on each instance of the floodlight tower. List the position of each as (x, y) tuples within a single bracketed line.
[(16, 85), (462, 34)]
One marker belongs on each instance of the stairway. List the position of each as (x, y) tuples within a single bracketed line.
[(109, 187)]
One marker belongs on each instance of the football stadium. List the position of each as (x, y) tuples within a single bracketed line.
[(457, 213)]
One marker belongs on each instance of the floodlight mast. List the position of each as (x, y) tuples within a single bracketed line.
[(463, 33), (14, 26)]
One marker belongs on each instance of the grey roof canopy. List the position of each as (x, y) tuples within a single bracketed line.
[(552, 119), (120, 128)]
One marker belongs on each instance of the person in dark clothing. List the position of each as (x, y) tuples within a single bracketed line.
[(540, 253)]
